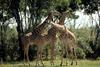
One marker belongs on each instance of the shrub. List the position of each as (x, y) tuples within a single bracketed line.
[(80, 53)]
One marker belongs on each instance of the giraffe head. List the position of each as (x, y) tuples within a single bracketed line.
[(67, 13), (51, 14)]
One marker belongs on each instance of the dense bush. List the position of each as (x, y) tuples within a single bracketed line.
[(9, 44), (80, 53)]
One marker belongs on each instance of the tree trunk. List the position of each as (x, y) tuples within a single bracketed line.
[(14, 7), (97, 29), (20, 31), (2, 46), (97, 49)]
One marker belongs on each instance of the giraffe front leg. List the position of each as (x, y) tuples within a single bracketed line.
[(66, 56), (24, 55), (62, 53), (27, 49), (27, 57), (72, 55), (52, 53), (51, 61), (75, 59)]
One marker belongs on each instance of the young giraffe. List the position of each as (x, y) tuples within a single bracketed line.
[(68, 41)]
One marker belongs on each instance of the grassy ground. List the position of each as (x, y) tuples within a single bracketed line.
[(81, 63)]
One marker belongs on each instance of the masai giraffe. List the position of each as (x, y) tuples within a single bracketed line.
[(68, 41), (34, 35), (52, 33)]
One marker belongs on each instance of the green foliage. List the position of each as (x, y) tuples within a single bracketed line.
[(83, 38), (10, 42), (80, 53), (90, 6), (22, 5), (98, 58), (62, 4)]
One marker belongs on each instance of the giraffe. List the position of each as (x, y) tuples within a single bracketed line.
[(52, 33), (36, 32), (68, 41)]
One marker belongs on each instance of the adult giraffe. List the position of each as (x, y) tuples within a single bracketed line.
[(53, 32), (68, 41), (36, 32)]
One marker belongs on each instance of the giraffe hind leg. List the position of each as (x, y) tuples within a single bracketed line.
[(66, 56), (37, 58), (62, 53), (75, 59), (41, 58), (71, 56)]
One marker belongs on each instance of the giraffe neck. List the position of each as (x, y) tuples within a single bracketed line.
[(53, 31), (41, 28)]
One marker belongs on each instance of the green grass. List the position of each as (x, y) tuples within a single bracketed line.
[(81, 63)]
